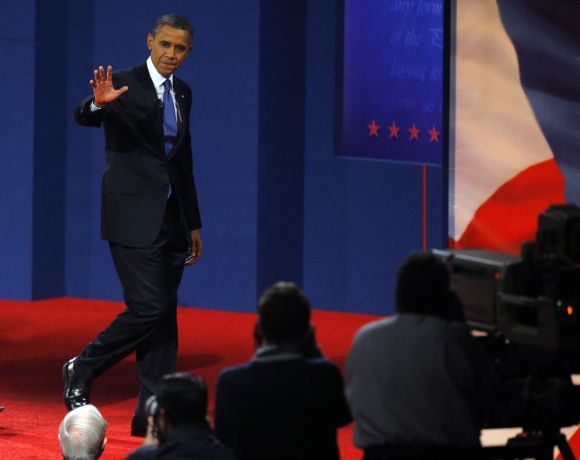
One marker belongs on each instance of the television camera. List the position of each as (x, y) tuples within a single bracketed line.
[(527, 307)]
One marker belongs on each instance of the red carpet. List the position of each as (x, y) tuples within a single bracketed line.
[(36, 338)]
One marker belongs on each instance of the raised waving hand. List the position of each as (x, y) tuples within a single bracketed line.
[(103, 87)]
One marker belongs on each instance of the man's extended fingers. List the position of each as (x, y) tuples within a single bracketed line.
[(196, 250), (194, 253), (101, 77)]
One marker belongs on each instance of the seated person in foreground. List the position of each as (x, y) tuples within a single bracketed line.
[(82, 434), (178, 427), (288, 401), (418, 378)]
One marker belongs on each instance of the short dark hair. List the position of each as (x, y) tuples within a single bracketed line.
[(423, 285), (183, 397), (173, 20), (284, 313)]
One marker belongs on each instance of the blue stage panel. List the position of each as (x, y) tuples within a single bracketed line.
[(392, 80)]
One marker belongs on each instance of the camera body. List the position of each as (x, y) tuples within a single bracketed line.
[(512, 296), (528, 306)]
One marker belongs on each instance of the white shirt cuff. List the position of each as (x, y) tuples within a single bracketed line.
[(94, 108)]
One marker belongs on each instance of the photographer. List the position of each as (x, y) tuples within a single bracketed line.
[(287, 403), (177, 417), (418, 380)]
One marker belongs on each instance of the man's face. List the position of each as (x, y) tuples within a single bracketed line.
[(169, 48)]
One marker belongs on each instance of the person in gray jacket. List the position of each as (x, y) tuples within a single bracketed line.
[(418, 378)]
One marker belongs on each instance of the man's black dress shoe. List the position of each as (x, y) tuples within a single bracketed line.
[(139, 426), (76, 391)]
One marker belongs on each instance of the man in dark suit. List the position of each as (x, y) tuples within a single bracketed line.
[(150, 215)]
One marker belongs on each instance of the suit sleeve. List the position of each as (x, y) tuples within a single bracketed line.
[(189, 197), (85, 117), (191, 205)]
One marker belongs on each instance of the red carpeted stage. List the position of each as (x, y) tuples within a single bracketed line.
[(36, 338)]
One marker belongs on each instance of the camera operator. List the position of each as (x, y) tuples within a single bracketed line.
[(418, 379), (177, 415)]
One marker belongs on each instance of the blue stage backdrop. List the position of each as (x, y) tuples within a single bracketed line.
[(392, 81), (277, 201), (362, 216)]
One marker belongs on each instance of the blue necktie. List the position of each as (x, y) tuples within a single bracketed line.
[(169, 119)]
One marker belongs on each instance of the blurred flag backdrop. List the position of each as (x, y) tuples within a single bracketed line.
[(515, 118)]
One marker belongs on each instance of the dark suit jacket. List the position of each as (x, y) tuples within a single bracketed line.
[(137, 174), (284, 410), (185, 443)]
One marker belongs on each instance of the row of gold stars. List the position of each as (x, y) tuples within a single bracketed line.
[(414, 132)]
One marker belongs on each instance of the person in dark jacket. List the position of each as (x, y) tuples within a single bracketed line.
[(178, 423), (287, 402), (149, 211)]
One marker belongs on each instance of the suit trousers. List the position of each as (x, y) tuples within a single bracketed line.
[(150, 278)]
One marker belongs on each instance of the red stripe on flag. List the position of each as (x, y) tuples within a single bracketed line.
[(510, 216)]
